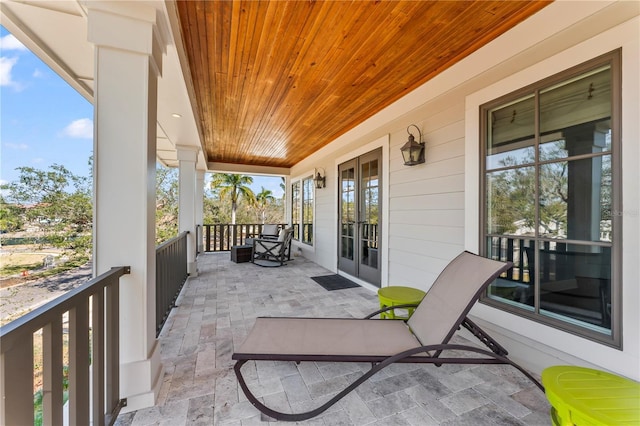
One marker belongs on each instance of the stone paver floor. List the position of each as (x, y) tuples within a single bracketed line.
[(216, 310)]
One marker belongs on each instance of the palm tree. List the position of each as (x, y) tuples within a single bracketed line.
[(234, 186), (263, 199)]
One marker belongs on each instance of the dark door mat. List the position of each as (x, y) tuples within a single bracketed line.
[(334, 282)]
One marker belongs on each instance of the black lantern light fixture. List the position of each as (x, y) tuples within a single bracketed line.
[(412, 151), (320, 179)]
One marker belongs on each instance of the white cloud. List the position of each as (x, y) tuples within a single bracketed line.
[(6, 65), (37, 160), (9, 42), (82, 129), (37, 73), (17, 146)]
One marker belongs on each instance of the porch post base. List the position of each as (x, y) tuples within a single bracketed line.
[(140, 381), (192, 269)]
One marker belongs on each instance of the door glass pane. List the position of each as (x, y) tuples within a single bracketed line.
[(369, 212), (575, 284), (347, 215), (510, 140), (511, 201)]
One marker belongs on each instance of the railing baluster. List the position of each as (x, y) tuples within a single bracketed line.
[(16, 392), (510, 257), (79, 364), (234, 235), (112, 351), (97, 358), (52, 386), (521, 260)]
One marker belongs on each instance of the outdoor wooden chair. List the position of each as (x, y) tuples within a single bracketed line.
[(270, 252), (422, 339)]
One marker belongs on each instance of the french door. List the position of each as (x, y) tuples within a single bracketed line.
[(359, 208)]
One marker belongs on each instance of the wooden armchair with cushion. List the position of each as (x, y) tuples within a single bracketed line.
[(272, 252)]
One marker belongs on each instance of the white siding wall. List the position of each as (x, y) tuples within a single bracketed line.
[(425, 215)]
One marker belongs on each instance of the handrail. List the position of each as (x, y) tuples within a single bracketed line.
[(94, 364)]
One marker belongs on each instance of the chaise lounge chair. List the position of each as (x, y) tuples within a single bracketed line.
[(421, 339)]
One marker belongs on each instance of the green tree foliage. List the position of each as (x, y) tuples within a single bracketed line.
[(257, 209), (215, 210), (166, 203), (233, 188), (263, 200), (55, 201), (10, 216)]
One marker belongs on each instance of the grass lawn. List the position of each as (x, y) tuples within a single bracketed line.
[(15, 262), (17, 259)]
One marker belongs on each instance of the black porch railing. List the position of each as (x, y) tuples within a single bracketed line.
[(221, 237), (89, 316), (171, 274)]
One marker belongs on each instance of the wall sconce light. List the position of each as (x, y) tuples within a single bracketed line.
[(320, 179), (412, 151)]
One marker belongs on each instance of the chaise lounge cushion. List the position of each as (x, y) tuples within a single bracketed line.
[(354, 339)]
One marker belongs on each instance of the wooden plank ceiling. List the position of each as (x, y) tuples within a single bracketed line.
[(275, 81)]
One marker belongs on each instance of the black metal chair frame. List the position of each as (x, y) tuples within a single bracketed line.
[(271, 252)]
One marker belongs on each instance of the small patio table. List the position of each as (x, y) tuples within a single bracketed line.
[(241, 254), (583, 396), (399, 295)]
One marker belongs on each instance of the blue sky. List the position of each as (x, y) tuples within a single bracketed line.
[(44, 121)]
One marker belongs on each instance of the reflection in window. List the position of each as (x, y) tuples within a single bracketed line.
[(548, 197), (510, 140)]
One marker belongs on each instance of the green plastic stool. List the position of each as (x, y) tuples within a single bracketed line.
[(398, 295), (583, 396)]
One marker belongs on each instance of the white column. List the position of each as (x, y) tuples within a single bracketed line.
[(128, 61), (200, 207), (187, 157)]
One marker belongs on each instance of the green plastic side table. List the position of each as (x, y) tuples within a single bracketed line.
[(398, 295), (583, 396)]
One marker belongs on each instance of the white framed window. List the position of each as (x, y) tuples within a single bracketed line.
[(550, 190), (302, 209)]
